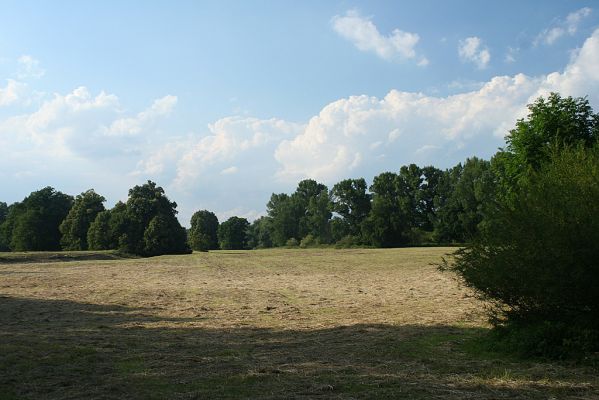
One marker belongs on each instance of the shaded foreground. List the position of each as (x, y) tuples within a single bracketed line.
[(269, 324)]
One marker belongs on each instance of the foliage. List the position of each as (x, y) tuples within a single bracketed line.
[(471, 192), (540, 262), (309, 241), (33, 223), (292, 242), (350, 200), (98, 237), (232, 234), (164, 235), (4, 242), (388, 222), (203, 234), (551, 122), (75, 226), (259, 233)]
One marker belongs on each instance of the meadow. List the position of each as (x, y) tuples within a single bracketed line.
[(284, 323)]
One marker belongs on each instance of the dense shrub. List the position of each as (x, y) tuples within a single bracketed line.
[(539, 264), (309, 241)]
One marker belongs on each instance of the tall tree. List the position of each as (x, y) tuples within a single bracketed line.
[(387, 224), (33, 223), (232, 234), (74, 228), (472, 193), (351, 201), (284, 214), (99, 236), (3, 240), (554, 121), (259, 233), (203, 233)]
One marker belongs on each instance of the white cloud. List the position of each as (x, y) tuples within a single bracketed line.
[(472, 50), (29, 67), (560, 28), (229, 139), (229, 171), (12, 93), (241, 160), (510, 55), (134, 125), (364, 34), (337, 143)]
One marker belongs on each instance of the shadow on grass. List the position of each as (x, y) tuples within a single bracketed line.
[(67, 350)]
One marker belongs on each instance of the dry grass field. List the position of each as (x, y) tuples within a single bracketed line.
[(275, 324)]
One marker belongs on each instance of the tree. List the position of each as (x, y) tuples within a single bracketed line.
[(203, 234), (387, 224), (145, 203), (539, 264), (471, 194), (232, 234), (350, 200), (32, 224), (3, 215), (310, 202), (551, 122), (164, 235), (284, 214), (98, 234), (74, 228), (259, 233)]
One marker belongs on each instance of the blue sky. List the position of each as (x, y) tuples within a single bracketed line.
[(223, 103)]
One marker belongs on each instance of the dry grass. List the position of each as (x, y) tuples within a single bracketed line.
[(271, 324)]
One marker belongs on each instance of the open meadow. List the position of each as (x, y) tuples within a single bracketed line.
[(298, 324)]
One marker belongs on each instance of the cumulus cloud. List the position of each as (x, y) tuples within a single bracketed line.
[(568, 26), (89, 138), (29, 67), (12, 92), (229, 139), (134, 125), (364, 34), (472, 50), (414, 127)]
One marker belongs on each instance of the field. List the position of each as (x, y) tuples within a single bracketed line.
[(297, 324)]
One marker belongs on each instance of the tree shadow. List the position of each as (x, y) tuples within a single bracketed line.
[(65, 350)]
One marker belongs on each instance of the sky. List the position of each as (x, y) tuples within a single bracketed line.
[(224, 103)]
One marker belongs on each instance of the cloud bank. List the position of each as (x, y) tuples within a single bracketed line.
[(233, 164)]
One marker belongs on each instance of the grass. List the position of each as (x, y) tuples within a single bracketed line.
[(298, 324)]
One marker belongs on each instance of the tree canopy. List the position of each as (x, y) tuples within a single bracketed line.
[(203, 233)]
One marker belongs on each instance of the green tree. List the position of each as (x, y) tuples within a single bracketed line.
[(74, 228), (146, 202), (98, 234), (284, 214), (310, 202), (555, 121), (203, 234), (164, 235), (471, 194), (539, 264), (351, 201), (4, 242), (387, 224), (259, 233), (232, 234), (33, 223)]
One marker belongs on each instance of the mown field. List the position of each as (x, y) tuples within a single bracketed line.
[(275, 324)]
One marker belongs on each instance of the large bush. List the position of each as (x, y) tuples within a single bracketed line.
[(539, 263)]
